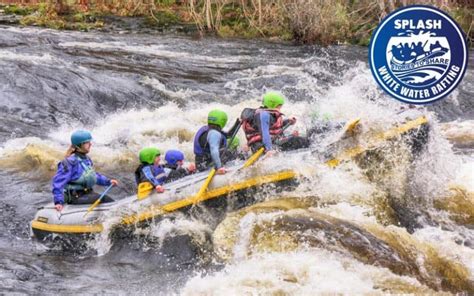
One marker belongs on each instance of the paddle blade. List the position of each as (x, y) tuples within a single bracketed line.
[(333, 162), (144, 189), (351, 128)]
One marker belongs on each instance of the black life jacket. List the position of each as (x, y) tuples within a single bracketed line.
[(173, 172)]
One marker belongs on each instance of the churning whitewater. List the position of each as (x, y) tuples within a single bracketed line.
[(395, 218)]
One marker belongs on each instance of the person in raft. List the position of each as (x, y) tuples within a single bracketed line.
[(76, 176), (265, 126), (210, 142), (150, 169), (174, 169)]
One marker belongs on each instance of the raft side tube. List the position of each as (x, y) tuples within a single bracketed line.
[(42, 226)]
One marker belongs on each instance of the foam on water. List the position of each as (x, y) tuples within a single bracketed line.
[(299, 273), (465, 176), (181, 95), (437, 167), (6, 55), (179, 225), (459, 132), (246, 226), (348, 212), (450, 244)]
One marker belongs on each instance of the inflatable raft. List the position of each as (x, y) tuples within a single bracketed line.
[(181, 194), (178, 195)]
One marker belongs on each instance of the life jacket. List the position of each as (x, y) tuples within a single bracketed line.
[(201, 146), (86, 181), (251, 124), (158, 173)]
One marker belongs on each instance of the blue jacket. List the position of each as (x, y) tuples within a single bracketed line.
[(72, 172)]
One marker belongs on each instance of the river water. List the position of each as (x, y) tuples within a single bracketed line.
[(394, 225)]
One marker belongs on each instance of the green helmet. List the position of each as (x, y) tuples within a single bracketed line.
[(217, 117), (148, 155), (234, 144), (273, 99)]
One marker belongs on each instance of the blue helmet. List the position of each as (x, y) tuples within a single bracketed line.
[(173, 156), (80, 137)]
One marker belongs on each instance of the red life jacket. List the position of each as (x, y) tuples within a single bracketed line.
[(251, 121)]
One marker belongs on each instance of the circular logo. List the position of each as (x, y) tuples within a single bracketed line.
[(418, 54)]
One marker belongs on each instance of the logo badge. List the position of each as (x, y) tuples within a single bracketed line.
[(418, 54)]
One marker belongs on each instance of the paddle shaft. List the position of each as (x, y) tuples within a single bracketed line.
[(205, 185), (99, 199), (234, 133), (253, 158)]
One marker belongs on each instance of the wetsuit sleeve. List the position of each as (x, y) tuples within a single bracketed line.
[(102, 180), (62, 177), (147, 172), (214, 140), (265, 130)]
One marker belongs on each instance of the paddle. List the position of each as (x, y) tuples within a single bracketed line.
[(204, 186), (350, 127), (235, 129), (253, 158), (98, 200)]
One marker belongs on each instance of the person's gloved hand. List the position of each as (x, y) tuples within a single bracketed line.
[(221, 171), (292, 120), (59, 207), (160, 189)]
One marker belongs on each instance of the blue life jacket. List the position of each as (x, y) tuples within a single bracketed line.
[(201, 146)]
